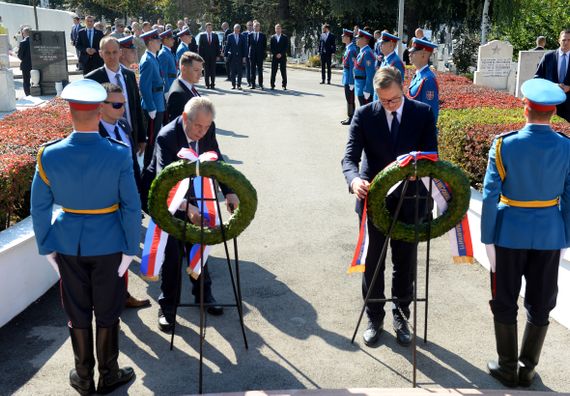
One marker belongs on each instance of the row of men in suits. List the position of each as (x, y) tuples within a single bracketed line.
[(246, 52)]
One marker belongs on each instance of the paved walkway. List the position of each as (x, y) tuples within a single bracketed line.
[(300, 305)]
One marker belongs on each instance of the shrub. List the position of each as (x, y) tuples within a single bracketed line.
[(465, 50), (314, 61), (22, 134)]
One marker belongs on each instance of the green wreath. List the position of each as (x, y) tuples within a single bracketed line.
[(223, 173), (442, 170)]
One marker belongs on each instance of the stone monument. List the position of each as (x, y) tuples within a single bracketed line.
[(528, 63), (49, 56), (494, 65), (8, 96)]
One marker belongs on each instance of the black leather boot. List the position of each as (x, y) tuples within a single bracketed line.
[(110, 375), (505, 370), (81, 377), (532, 342)]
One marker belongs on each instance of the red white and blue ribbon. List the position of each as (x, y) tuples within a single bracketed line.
[(155, 238), (459, 236)]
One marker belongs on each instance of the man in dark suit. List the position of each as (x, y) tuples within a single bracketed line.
[(75, 28), (209, 49), (554, 67), (25, 59), (245, 35), (227, 31), (327, 48), (540, 43), (184, 87), (279, 45), (257, 45), (88, 45), (235, 51), (113, 72), (191, 129), (384, 129)]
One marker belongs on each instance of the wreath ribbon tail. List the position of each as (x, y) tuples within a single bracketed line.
[(359, 258), (460, 235)]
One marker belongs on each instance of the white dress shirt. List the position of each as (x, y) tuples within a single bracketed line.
[(110, 128), (389, 115)]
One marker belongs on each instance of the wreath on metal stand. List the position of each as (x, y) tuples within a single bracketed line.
[(224, 174), (442, 172)]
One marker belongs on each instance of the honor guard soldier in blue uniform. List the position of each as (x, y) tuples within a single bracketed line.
[(186, 43), (167, 60), (525, 223), (364, 68), (348, 60), (423, 86), (93, 240), (388, 46), (151, 86)]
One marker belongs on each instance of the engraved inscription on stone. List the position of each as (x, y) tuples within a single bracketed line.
[(49, 56)]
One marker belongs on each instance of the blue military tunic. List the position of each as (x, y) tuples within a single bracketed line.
[(182, 48), (167, 62), (86, 172), (424, 88), (392, 60), (543, 174), (348, 60), (378, 53), (364, 71), (151, 84)]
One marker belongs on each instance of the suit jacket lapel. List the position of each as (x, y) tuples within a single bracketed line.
[(181, 138), (102, 131)]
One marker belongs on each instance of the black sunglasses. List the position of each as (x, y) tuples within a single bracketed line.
[(116, 105)]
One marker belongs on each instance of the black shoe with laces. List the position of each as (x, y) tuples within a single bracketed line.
[(403, 335)]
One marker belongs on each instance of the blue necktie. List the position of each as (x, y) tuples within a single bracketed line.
[(562, 71), (90, 34)]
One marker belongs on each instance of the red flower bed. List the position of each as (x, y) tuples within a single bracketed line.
[(22, 134)]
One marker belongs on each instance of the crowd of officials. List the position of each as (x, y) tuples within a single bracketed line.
[(139, 97)]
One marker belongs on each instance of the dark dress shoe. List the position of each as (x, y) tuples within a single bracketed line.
[(132, 302), (322, 82), (372, 332), (272, 87), (328, 83), (284, 88), (234, 87), (347, 121), (261, 87), (403, 335), (252, 87), (110, 383), (214, 310), (165, 323)]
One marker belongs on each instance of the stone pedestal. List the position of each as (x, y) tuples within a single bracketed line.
[(8, 98), (494, 65), (528, 63)]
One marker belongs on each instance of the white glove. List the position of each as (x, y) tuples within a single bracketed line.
[(366, 95), (52, 259), (491, 256), (351, 87), (125, 262), (152, 114)]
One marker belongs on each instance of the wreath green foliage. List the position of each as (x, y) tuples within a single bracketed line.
[(442, 170), (224, 174)]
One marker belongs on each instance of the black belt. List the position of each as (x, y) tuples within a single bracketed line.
[(157, 89), (171, 75), (347, 67), (359, 78)]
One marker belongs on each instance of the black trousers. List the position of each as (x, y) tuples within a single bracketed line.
[(282, 65), (362, 101), (26, 77), (228, 69), (247, 70), (169, 285), (210, 71), (92, 284), (236, 71), (540, 270), (256, 67), (153, 127), (349, 96), (326, 61)]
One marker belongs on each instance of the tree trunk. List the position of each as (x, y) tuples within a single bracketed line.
[(485, 22)]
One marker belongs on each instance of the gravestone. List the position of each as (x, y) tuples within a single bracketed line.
[(528, 63), (49, 56), (494, 65), (8, 96)]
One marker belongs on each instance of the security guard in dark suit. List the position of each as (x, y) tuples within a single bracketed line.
[(25, 57), (327, 48), (93, 240), (525, 223)]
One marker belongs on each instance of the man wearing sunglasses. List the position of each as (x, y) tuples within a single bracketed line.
[(383, 130)]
